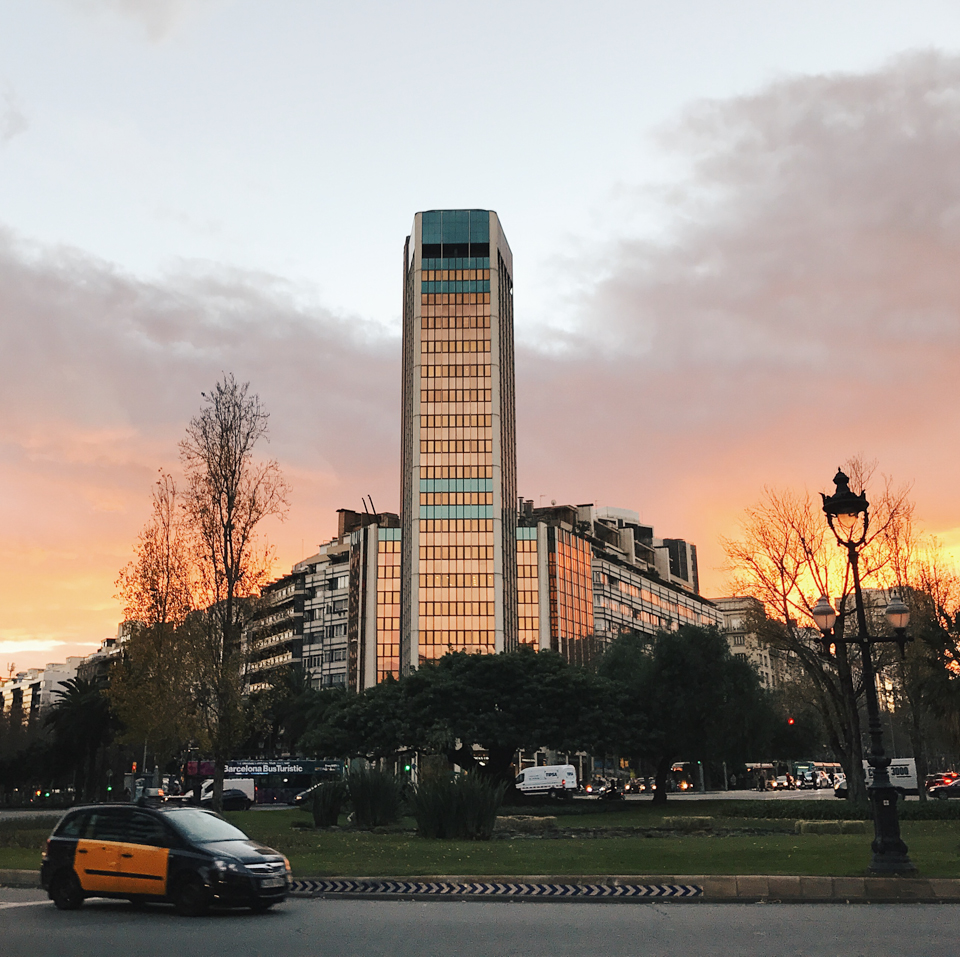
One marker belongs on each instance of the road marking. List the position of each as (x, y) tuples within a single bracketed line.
[(22, 904)]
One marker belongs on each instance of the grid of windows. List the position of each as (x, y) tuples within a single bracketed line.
[(458, 371), (571, 596), (456, 596), (528, 590), (644, 606), (388, 608)]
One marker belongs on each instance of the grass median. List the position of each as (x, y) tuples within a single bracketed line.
[(778, 850), (737, 845)]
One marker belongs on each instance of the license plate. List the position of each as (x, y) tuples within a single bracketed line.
[(273, 882)]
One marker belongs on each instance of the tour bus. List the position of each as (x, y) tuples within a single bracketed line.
[(816, 774)]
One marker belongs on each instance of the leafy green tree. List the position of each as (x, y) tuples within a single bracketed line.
[(682, 695), (372, 724), (521, 700), (283, 714)]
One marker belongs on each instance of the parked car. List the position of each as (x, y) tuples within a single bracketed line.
[(233, 800), (840, 786), (241, 791), (174, 854)]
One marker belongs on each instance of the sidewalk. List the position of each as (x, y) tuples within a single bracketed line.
[(624, 889)]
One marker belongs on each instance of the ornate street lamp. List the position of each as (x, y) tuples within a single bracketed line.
[(849, 518)]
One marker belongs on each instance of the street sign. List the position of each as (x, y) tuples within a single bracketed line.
[(252, 768)]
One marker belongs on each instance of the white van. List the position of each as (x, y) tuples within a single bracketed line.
[(246, 785), (903, 774), (902, 771), (557, 780)]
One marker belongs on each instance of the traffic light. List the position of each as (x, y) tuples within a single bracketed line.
[(407, 768), (789, 720), (133, 770)]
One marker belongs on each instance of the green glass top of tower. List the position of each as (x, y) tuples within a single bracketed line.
[(456, 226), (455, 239)]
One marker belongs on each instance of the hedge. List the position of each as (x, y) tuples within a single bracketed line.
[(838, 811)]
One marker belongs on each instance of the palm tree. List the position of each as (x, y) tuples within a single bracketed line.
[(82, 723)]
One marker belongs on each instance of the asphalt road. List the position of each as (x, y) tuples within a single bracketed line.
[(335, 928)]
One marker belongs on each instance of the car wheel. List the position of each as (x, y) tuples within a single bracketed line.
[(66, 892), (552, 794), (941, 796), (190, 898)]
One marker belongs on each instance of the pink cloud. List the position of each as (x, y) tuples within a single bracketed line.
[(805, 308)]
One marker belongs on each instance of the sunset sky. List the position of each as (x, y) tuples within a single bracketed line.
[(735, 227)]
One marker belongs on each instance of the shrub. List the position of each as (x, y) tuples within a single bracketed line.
[(328, 798), (462, 808), (688, 823), (839, 810), (804, 810), (376, 796)]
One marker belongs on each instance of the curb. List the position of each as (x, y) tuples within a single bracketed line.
[(705, 888), (491, 890), (10, 877), (636, 888)]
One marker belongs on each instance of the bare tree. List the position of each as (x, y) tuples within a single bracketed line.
[(149, 688), (927, 682), (229, 493), (787, 557)]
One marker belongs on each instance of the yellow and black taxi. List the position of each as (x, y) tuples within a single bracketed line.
[(186, 856)]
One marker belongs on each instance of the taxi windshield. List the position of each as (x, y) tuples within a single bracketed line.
[(202, 827)]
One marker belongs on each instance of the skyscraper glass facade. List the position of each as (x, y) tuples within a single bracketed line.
[(458, 511), (388, 603), (528, 588), (571, 596)]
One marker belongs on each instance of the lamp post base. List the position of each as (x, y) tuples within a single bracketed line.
[(890, 857)]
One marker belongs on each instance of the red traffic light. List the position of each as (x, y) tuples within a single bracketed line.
[(789, 720)]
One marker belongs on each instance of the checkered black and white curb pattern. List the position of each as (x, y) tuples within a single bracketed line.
[(375, 888)]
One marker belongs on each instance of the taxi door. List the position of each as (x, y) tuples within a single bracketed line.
[(144, 856), (97, 857)]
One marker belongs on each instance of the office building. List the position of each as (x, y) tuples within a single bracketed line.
[(587, 575), (458, 588), (463, 568)]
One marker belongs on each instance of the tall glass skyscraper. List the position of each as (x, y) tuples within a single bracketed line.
[(459, 484)]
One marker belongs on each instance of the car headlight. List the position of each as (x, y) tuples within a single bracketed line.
[(228, 867)]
